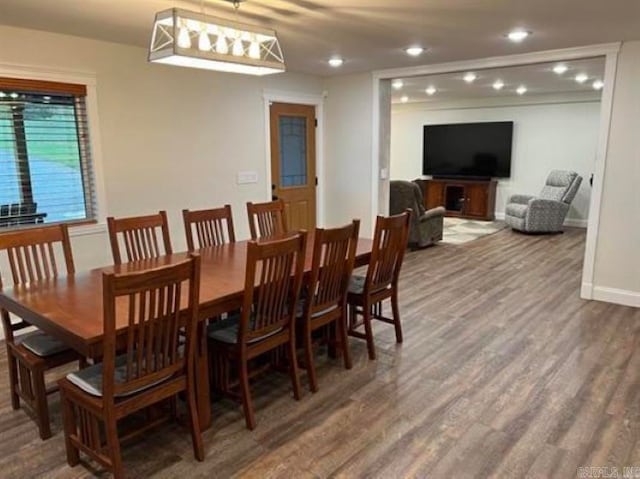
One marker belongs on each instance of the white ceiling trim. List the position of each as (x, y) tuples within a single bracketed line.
[(563, 54)]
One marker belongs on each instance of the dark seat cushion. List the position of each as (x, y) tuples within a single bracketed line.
[(226, 330), (356, 284), (42, 344), (90, 379)]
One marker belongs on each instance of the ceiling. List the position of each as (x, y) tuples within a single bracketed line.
[(539, 79), (369, 34)]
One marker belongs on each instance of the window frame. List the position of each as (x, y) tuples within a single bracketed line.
[(89, 81)]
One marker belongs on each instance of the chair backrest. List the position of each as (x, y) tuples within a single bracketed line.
[(139, 235), (31, 255), (334, 252), (389, 244), (272, 285), (210, 226), (31, 252), (403, 195), (155, 307), (269, 218), (561, 186)]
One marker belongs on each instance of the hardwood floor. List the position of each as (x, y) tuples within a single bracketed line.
[(504, 372)]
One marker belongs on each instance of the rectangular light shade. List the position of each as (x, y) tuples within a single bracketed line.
[(191, 39)]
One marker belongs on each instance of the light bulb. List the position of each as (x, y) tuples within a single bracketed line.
[(414, 51), (336, 62), (404, 99), (14, 95), (397, 84), (237, 51), (498, 84), (518, 35), (204, 43), (581, 77), (560, 68), (431, 90), (2, 94), (254, 50), (470, 77), (597, 85), (221, 45), (184, 40), (521, 90)]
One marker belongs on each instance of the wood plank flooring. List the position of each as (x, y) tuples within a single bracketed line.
[(504, 372)]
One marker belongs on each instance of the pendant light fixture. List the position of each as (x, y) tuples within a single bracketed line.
[(190, 39)]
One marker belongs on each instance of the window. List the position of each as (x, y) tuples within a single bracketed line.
[(45, 159)]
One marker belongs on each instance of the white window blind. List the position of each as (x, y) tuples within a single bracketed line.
[(46, 171)]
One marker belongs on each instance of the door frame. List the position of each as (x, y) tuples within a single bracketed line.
[(277, 96), (382, 79)]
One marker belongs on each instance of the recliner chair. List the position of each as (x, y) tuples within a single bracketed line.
[(546, 212), (426, 226)]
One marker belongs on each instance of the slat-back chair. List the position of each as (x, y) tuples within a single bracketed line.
[(32, 258), (381, 281), (140, 236), (269, 218), (334, 252), (144, 363), (273, 279), (212, 227)]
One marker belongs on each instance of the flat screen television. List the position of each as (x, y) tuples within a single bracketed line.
[(468, 150)]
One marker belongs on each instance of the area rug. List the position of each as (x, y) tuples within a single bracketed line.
[(459, 230)]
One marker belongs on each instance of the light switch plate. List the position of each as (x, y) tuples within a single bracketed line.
[(247, 177)]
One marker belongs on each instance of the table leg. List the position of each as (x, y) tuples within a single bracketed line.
[(202, 374)]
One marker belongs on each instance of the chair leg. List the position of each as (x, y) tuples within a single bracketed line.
[(344, 339), (311, 368), (41, 405), (396, 316), (113, 443), (293, 369), (243, 373), (70, 427), (196, 435), (366, 315), (13, 379)]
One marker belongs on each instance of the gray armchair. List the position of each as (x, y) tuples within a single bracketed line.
[(546, 212), (426, 226)]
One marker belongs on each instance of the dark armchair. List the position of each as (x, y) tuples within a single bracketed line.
[(426, 225)]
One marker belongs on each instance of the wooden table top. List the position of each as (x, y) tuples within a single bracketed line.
[(70, 307)]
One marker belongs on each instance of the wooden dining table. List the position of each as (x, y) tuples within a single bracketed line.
[(70, 308)]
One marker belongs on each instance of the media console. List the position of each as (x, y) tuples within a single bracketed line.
[(472, 199)]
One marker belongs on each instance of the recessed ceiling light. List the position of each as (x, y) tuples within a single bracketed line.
[(597, 85), (518, 35), (336, 62), (560, 68), (470, 77), (397, 84), (414, 51), (581, 77), (404, 99), (498, 84), (431, 90), (521, 90)]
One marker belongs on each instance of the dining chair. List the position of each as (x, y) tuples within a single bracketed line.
[(213, 227), (366, 293), (269, 218), (33, 255), (273, 278), (144, 363), (140, 236), (334, 252)]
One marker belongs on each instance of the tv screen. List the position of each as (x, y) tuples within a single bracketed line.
[(474, 150)]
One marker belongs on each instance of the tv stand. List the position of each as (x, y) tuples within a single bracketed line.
[(472, 199)]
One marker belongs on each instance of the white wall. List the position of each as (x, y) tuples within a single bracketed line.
[(348, 149), (549, 133), (617, 264), (171, 138)]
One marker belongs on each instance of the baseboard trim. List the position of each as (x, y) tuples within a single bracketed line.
[(615, 295), (571, 222)]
